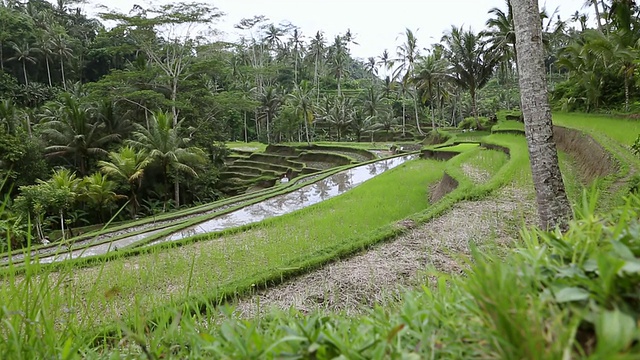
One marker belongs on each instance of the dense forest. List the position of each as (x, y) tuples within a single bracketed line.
[(138, 112)]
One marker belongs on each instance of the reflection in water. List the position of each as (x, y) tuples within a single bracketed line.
[(343, 181), (372, 169), (279, 205), (286, 203)]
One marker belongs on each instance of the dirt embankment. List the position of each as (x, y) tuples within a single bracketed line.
[(444, 187), (592, 160)]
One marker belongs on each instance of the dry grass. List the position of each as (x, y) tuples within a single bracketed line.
[(442, 244), (476, 175)]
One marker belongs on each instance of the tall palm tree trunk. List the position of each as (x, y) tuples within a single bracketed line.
[(176, 191), (48, 71), (474, 107), (415, 106), (626, 93), (598, 15), (64, 80), (553, 206), (24, 71)]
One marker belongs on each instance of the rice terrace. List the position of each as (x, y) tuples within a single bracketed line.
[(170, 191)]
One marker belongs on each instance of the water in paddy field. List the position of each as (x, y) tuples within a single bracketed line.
[(308, 195)]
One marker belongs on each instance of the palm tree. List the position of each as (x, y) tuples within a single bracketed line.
[(339, 58), (339, 114), (127, 165), (596, 8), (471, 63), (61, 48), (429, 73), (168, 149), (301, 98), (501, 35), (408, 52), (23, 54), (66, 183), (386, 61), (553, 206), (316, 51), (72, 129), (43, 45), (270, 102), (618, 49), (99, 191), (371, 66)]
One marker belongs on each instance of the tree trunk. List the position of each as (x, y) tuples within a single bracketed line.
[(415, 105), (64, 80), (598, 15), (306, 129), (176, 192), (474, 107), (404, 117), (626, 93), (24, 71), (62, 224), (553, 206), (174, 96), (48, 71), (246, 139)]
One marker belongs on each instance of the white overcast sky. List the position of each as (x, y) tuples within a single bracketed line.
[(377, 24)]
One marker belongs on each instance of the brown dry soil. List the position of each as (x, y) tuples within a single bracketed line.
[(441, 245)]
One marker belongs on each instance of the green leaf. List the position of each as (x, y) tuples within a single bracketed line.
[(630, 267), (615, 331), (622, 250), (569, 294)]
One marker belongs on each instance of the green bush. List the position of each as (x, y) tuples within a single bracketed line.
[(470, 123)]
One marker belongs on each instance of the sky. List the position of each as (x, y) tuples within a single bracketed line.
[(376, 24)]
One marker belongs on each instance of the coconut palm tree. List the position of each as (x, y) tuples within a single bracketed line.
[(430, 72), (270, 102), (64, 182), (24, 54), (43, 45), (471, 63), (301, 99), (553, 206), (316, 51), (166, 148), (72, 129), (99, 192), (338, 59), (60, 46), (408, 52), (127, 165), (501, 35)]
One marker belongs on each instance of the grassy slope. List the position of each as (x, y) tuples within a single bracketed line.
[(621, 130), (222, 266)]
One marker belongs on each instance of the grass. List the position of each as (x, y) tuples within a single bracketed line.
[(231, 264), (508, 125), (488, 161), (623, 131), (250, 146), (459, 147)]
